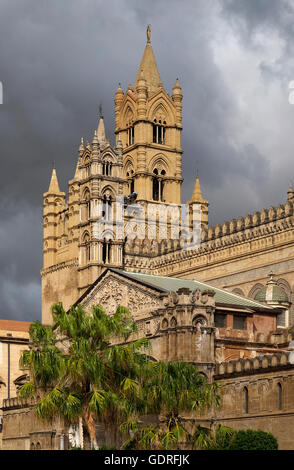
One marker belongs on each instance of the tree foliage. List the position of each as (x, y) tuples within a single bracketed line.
[(84, 366), (254, 440), (225, 438)]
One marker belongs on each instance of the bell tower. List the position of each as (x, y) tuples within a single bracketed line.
[(148, 122)]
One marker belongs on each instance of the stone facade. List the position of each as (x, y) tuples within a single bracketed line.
[(259, 394), (14, 338), (241, 340), (181, 325)]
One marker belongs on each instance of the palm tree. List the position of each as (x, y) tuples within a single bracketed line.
[(82, 367)]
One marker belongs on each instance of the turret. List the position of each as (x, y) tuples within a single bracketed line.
[(177, 99), (53, 201), (141, 91), (119, 96), (197, 198)]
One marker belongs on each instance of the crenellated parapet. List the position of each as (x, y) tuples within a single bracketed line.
[(260, 364), (254, 232)]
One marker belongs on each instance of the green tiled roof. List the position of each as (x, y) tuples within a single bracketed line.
[(167, 284)]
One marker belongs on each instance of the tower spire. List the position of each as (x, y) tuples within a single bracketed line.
[(101, 134), (149, 67), (197, 194), (54, 186)]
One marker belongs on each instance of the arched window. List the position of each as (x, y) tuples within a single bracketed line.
[(87, 163), (246, 402), (106, 168), (131, 180), (88, 203), (106, 251), (107, 207), (87, 247), (280, 396), (32, 446), (88, 252), (158, 185), (155, 190), (38, 446), (159, 131), (131, 134)]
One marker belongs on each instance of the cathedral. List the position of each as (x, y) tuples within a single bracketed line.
[(225, 304)]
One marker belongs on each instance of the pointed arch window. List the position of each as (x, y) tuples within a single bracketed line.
[(87, 247), (280, 396), (131, 135), (131, 180), (88, 204), (246, 401), (106, 168), (87, 163), (159, 131), (88, 252), (158, 185), (107, 207), (106, 251)]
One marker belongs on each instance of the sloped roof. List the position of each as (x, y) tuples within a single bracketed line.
[(13, 325), (167, 284)]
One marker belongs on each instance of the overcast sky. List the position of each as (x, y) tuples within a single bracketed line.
[(59, 59)]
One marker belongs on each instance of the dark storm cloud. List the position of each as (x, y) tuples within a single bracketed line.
[(59, 60)]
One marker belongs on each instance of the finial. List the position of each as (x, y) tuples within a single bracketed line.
[(81, 147), (100, 111), (177, 84), (271, 278), (53, 165), (148, 34)]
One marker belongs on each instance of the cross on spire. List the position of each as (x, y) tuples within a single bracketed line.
[(100, 111)]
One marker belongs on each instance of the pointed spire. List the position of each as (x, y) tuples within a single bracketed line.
[(101, 134), (54, 186), (177, 85), (77, 173), (119, 90), (81, 147), (149, 67), (197, 194)]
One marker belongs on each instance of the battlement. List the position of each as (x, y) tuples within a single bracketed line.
[(259, 364), (237, 237)]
